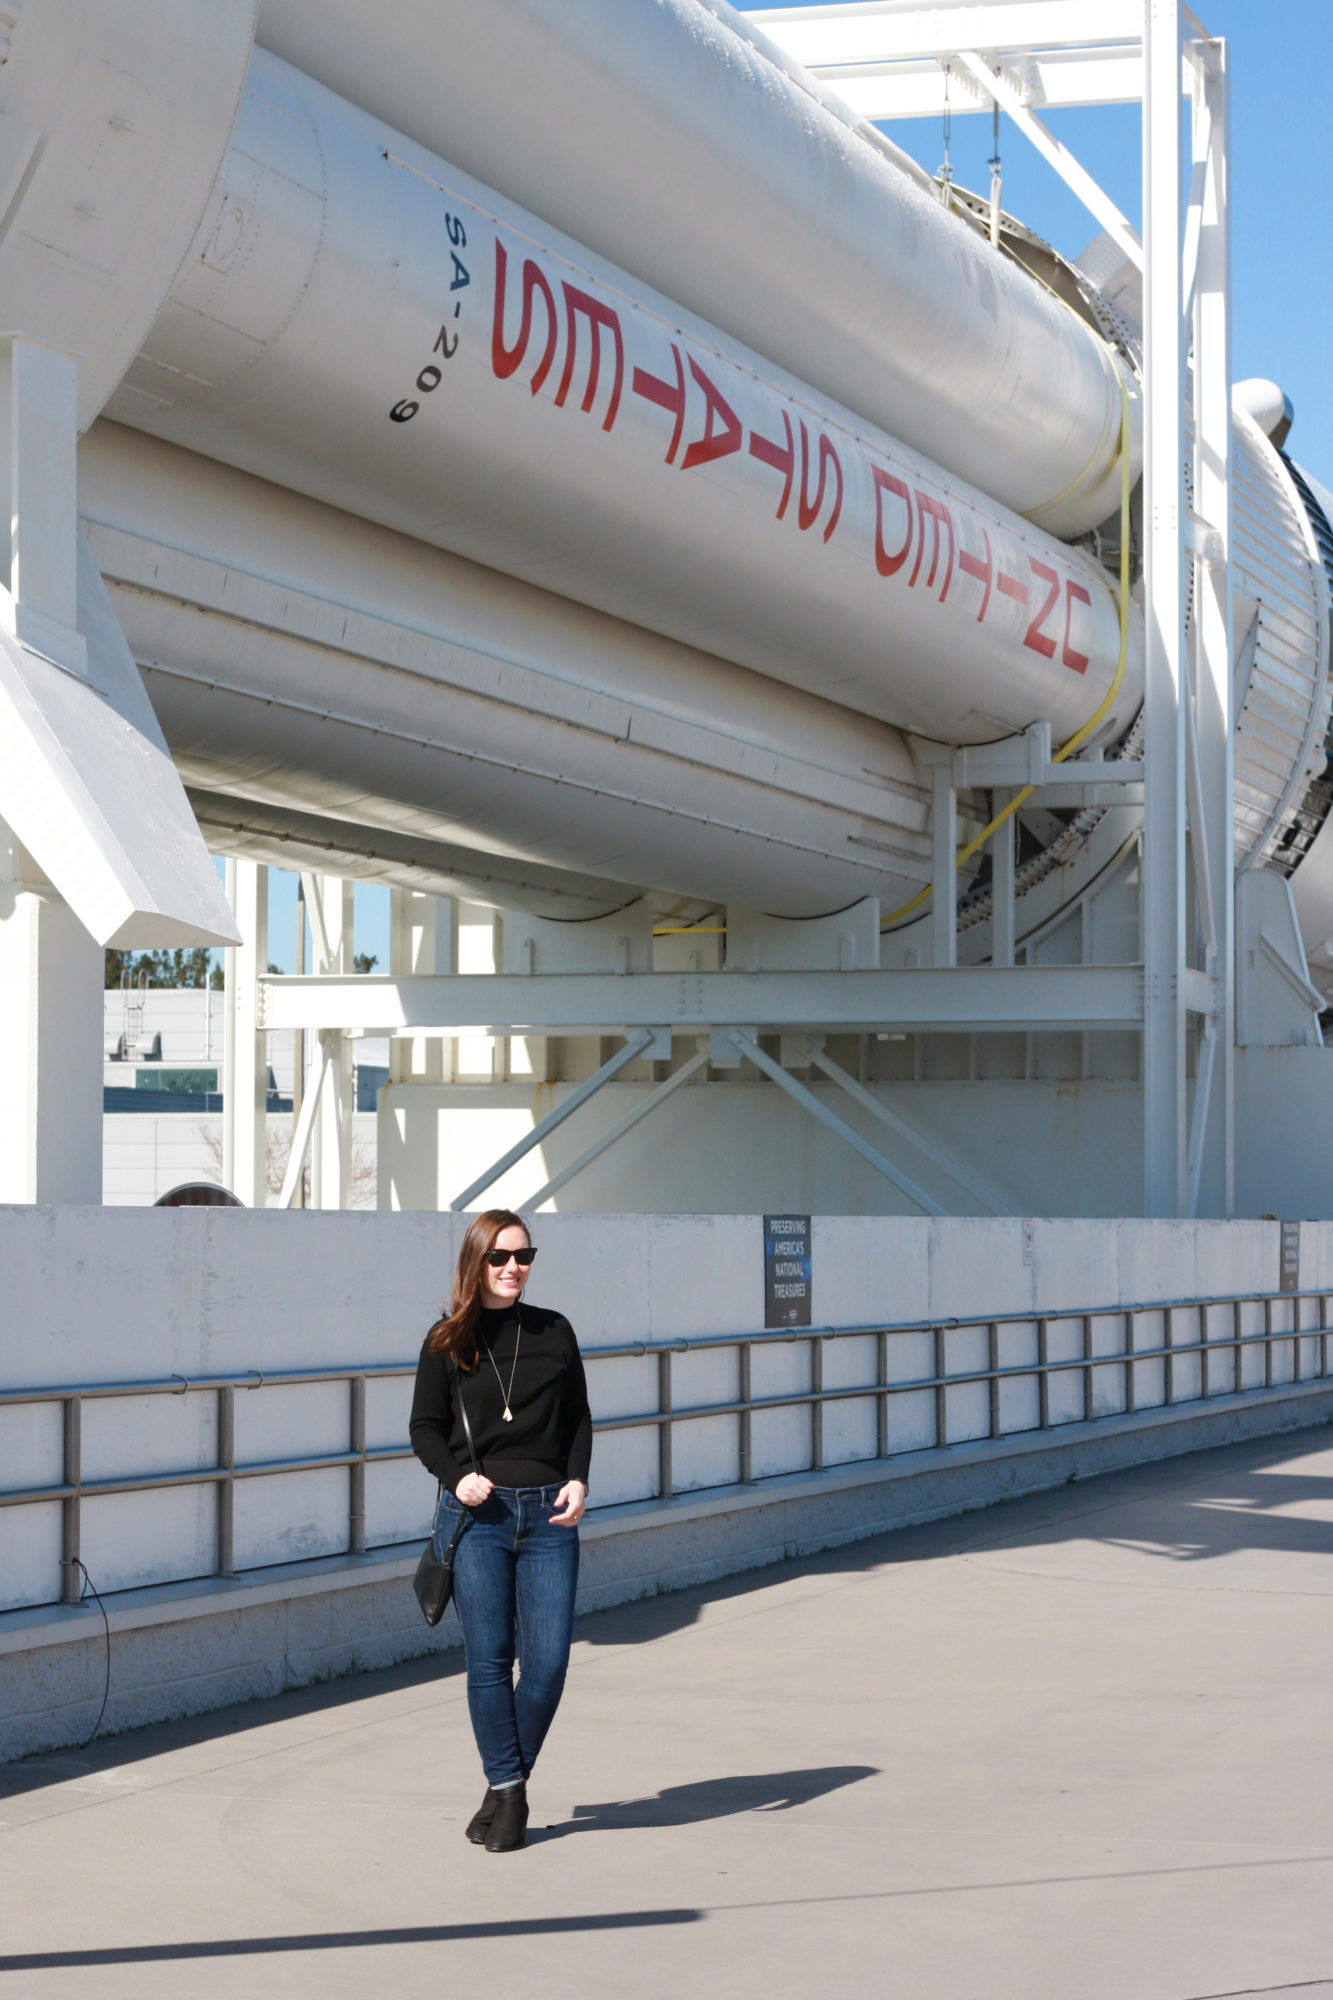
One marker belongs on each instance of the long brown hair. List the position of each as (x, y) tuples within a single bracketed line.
[(455, 1333)]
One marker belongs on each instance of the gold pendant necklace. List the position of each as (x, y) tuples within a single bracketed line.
[(507, 1414)]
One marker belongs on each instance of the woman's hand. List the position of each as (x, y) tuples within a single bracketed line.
[(473, 1489), (570, 1502)]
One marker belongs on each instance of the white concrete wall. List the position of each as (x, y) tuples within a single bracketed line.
[(1052, 1147), (93, 1295), (744, 1147), (146, 1155)]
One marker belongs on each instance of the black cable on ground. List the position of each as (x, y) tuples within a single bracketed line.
[(106, 1628)]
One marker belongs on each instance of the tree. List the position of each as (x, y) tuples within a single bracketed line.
[(365, 961), (157, 969)]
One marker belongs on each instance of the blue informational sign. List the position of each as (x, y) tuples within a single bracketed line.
[(786, 1270)]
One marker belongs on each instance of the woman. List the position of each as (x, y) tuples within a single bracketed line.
[(515, 1370)]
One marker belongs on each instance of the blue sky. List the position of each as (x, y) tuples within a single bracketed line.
[(1281, 235)]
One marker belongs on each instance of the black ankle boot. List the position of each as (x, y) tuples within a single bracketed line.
[(510, 1824), (480, 1823)]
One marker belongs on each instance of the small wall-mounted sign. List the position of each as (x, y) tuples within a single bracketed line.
[(1289, 1257), (787, 1270)]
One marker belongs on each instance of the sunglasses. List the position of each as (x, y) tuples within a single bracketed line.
[(497, 1259)]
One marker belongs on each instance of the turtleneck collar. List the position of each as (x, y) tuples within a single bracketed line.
[(494, 1318)]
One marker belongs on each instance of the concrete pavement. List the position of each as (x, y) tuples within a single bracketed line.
[(1075, 1748)]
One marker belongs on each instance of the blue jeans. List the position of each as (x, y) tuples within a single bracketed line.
[(514, 1581)]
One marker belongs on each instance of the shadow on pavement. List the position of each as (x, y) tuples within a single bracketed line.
[(713, 1798), (246, 1947)]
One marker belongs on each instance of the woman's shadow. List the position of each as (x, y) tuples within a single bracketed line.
[(715, 1798)]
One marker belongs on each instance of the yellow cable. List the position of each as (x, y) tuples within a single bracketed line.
[(1080, 736)]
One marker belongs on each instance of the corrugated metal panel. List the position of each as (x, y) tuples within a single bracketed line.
[(1283, 720), (1306, 818)]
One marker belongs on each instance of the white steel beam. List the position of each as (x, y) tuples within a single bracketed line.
[(245, 1073), (821, 37), (305, 1125), (1210, 1166), (1053, 78), (944, 850), (1003, 871), (975, 998), (1164, 607), (331, 1157)]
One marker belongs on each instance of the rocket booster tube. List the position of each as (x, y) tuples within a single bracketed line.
[(453, 368)]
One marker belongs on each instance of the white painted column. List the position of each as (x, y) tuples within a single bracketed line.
[(944, 850), (479, 1057), (423, 938), (51, 1030), (1164, 593), (51, 969), (245, 1082), (331, 1145), (1003, 856), (1213, 1171)]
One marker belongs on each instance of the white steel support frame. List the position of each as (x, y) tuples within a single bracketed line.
[(887, 61), (245, 1045), (1164, 894), (331, 1131), (1211, 745), (890, 61), (1188, 796)]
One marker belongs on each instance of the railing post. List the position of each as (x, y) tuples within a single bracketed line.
[(71, 1585), (226, 1486), (664, 1426), (1268, 1342), (1237, 1345), (746, 1428), (882, 1400), (1087, 1368), (941, 1392), (1168, 1359), (1043, 1379), (1130, 1398), (1203, 1350), (993, 1385), (356, 1512), (817, 1406)]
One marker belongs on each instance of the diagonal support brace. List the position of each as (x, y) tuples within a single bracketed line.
[(640, 1043), (750, 1048), (620, 1128), (903, 1126)]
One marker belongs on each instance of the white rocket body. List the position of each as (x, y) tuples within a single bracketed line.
[(577, 465), (363, 323)]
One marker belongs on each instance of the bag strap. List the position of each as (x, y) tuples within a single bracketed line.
[(462, 1411)]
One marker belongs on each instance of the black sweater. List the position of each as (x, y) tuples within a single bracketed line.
[(550, 1437)]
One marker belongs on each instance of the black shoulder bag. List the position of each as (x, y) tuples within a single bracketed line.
[(434, 1580)]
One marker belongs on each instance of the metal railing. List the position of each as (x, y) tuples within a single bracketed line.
[(1208, 1345)]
